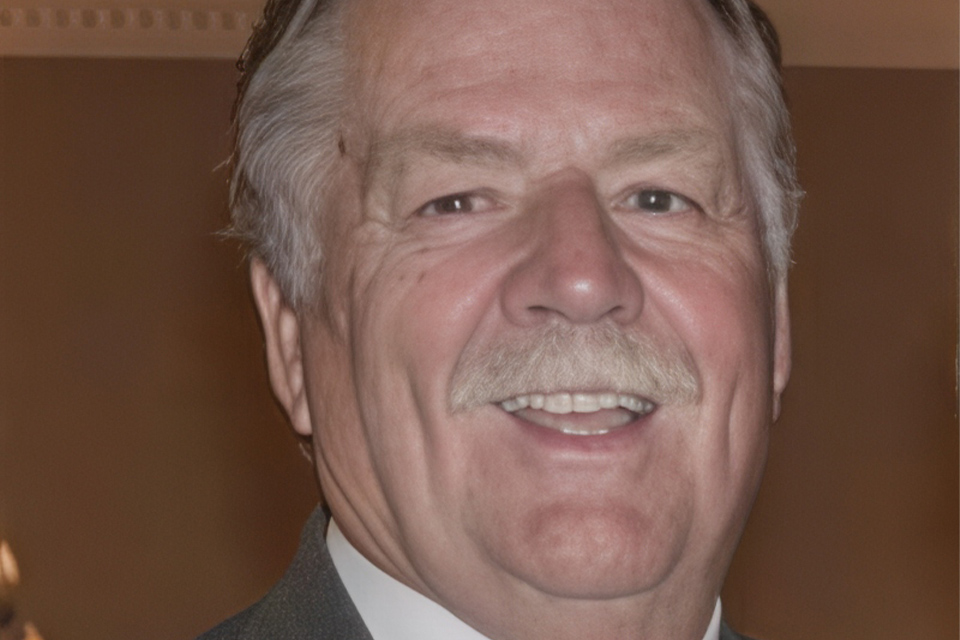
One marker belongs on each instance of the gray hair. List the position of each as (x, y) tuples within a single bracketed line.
[(291, 100), (767, 153), (287, 121)]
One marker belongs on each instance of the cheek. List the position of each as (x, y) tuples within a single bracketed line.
[(729, 323), (422, 304), (413, 312), (717, 300), (730, 336), (718, 308)]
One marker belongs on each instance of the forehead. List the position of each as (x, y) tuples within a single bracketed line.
[(495, 59)]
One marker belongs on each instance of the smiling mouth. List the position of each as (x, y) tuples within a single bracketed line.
[(579, 414)]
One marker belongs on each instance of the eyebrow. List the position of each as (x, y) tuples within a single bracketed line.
[(390, 155), (651, 147)]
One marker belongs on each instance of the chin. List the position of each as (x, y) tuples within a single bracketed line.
[(593, 552)]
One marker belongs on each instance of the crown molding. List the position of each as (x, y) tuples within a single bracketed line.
[(131, 30), (854, 33)]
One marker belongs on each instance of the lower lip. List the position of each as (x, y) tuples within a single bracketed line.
[(620, 439)]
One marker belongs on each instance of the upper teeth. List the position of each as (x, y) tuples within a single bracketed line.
[(577, 402)]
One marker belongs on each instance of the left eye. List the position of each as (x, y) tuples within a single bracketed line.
[(658, 201)]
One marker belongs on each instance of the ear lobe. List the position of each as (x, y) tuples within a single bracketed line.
[(281, 334), (782, 359)]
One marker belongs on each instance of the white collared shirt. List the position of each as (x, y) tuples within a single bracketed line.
[(393, 611)]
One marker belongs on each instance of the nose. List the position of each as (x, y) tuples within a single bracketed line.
[(575, 269)]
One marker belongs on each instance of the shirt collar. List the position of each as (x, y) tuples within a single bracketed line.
[(393, 611)]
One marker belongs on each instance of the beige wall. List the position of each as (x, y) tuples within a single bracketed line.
[(854, 534), (148, 484)]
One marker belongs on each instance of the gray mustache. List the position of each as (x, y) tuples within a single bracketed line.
[(563, 357)]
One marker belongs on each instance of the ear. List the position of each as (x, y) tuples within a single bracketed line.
[(281, 334), (782, 361)]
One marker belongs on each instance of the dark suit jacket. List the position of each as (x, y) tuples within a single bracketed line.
[(310, 602)]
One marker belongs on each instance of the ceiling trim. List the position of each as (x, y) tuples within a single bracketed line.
[(124, 31), (856, 33)]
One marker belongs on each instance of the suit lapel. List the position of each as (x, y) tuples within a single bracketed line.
[(310, 602)]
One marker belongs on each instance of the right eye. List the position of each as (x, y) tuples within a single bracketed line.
[(456, 203)]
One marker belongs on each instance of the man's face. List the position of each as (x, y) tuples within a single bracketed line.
[(539, 199)]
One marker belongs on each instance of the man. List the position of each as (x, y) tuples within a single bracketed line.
[(521, 271)]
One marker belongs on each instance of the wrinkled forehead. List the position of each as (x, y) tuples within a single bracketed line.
[(392, 40)]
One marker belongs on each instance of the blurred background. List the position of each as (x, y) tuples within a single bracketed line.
[(149, 486)]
